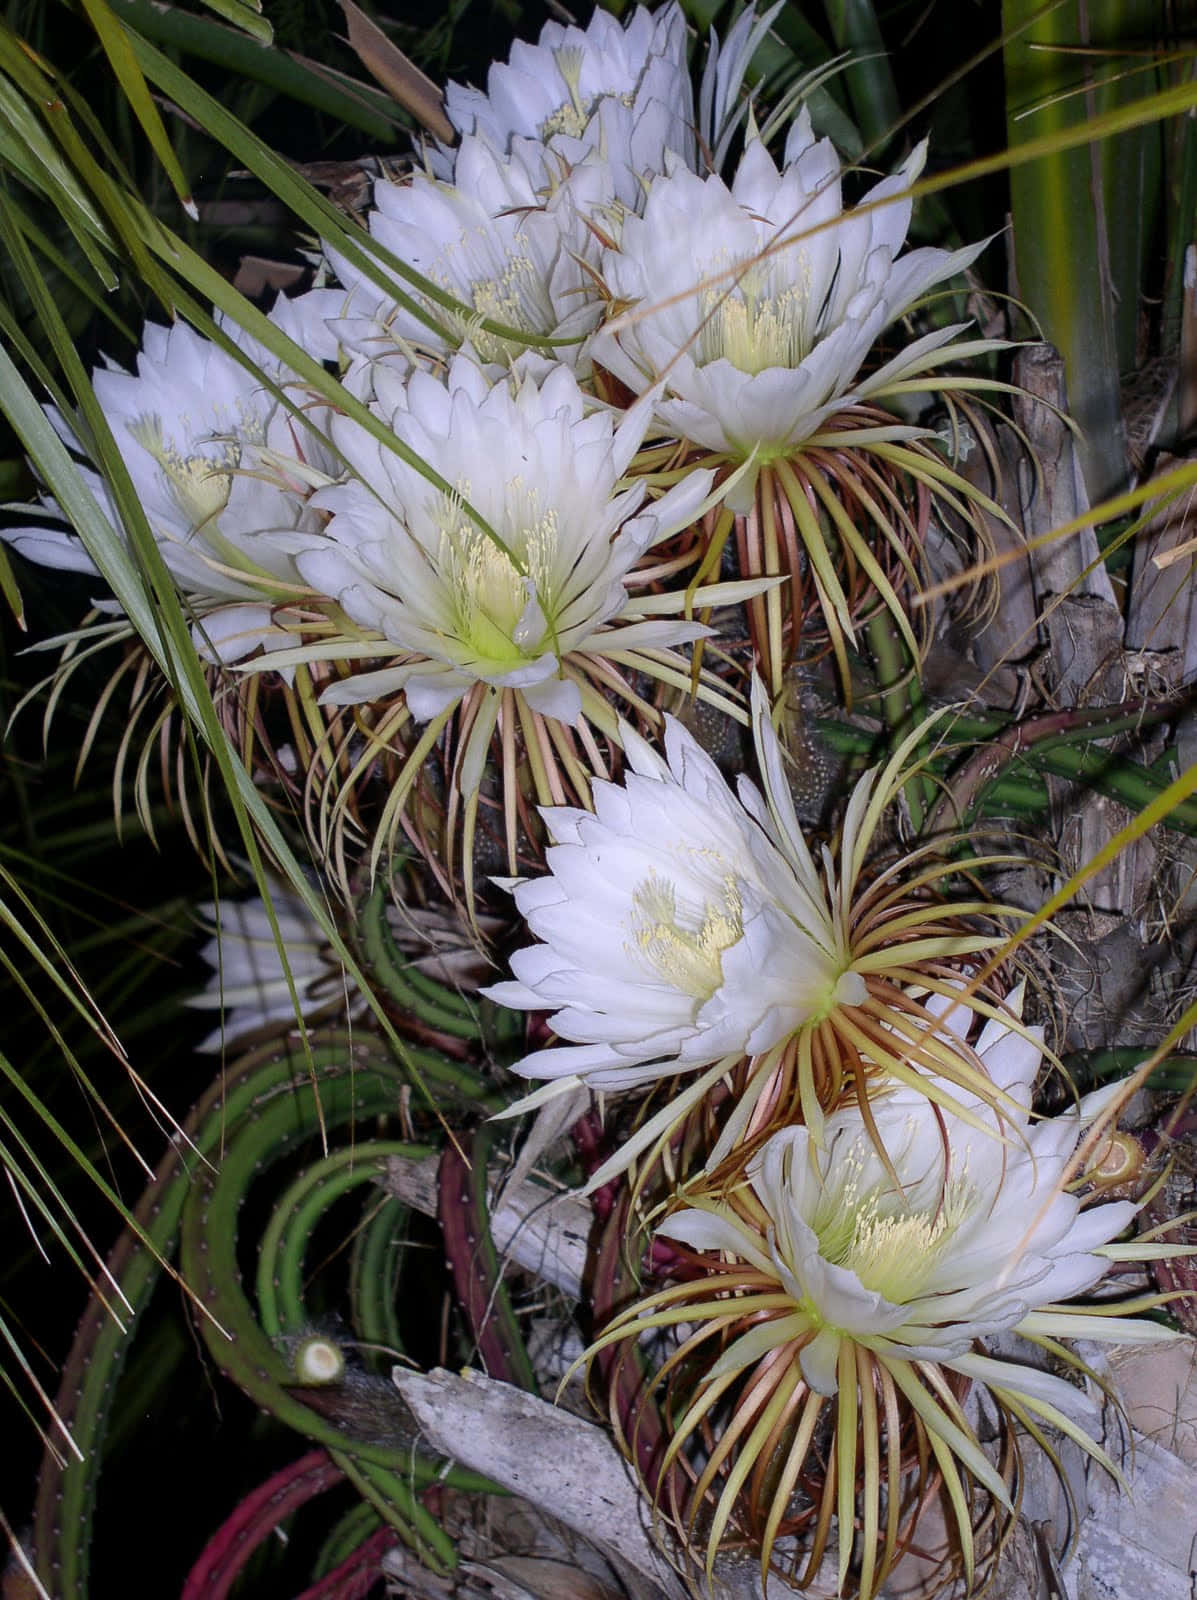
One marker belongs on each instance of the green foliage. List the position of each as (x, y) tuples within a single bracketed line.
[(1089, 221)]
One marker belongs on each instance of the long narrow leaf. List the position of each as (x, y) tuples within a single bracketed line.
[(246, 15), (115, 44), (254, 60), (155, 611)]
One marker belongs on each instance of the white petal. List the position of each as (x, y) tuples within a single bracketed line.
[(819, 1361), (559, 698)]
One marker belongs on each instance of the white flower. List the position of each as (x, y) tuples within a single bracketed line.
[(621, 89), (513, 604), (222, 470), (979, 1237), (304, 318), (491, 241), (757, 305), (680, 925), (840, 1287), (249, 983)]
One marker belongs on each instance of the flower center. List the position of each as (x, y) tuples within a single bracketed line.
[(571, 117), (514, 293), (686, 951), (894, 1255), (200, 484), (516, 296), (499, 609), (752, 326), (893, 1249)]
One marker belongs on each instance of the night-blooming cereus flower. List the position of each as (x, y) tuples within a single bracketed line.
[(249, 983), (675, 931), (503, 592), (755, 307), (251, 961), (490, 240), (685, 928), (223, 471), (759, 303), (621, 93), (621, 89), (512, 570), (864, 1276)]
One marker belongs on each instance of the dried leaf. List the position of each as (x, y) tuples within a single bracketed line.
[(399, 77), (256, 274)]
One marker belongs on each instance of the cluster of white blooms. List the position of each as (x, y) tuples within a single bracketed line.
[(578, 231), (682, 927), (582, 284)]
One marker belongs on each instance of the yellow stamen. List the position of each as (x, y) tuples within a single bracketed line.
[(894, 1255), (571, 117), (516, 295), (893, 1250), (502, 613), (201, 484), (753, 327), (688, 957)]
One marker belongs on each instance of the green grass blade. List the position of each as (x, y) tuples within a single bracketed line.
[(114, 42), (10, 589), (245, 14), (1061, 232), (254, 60), (869, 76)]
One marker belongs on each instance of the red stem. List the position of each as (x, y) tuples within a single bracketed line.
[(357, 1574), (254, 1520)]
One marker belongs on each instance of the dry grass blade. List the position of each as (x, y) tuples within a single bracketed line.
[(400, 76)]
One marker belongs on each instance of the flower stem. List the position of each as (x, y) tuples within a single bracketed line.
[(902, 704), (1063, 755), (1174, 1074)]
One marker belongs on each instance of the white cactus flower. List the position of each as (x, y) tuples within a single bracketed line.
[(757, 305), (680, 924), (223, 471), (683, 923), (249, 983), (493, 243), (621, 89), (978, 1238), (519, 606), (853, 1285)]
